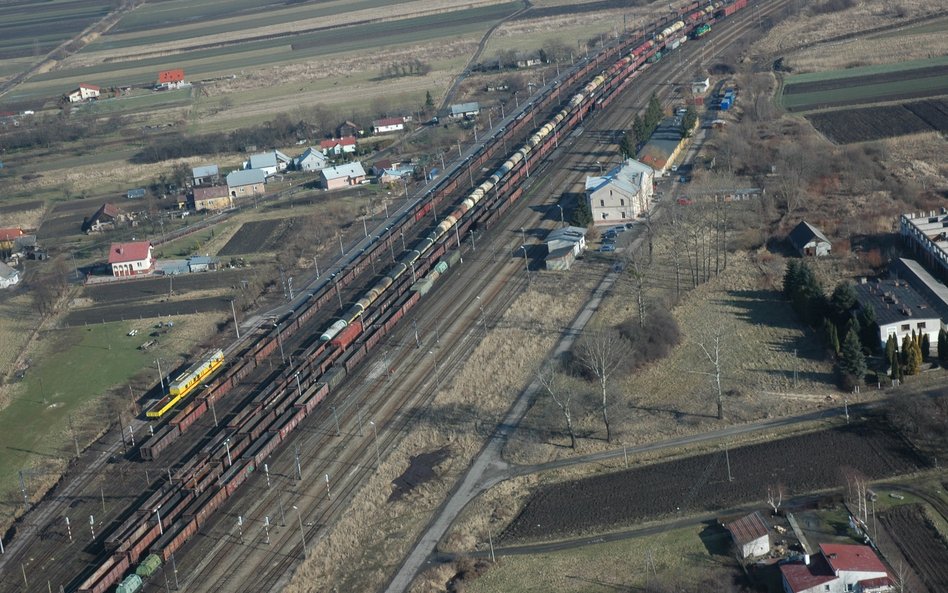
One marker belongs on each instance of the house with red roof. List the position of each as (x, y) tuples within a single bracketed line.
[(338, 146), (131, 259), (388, 125), (84, 93), (838, 568)]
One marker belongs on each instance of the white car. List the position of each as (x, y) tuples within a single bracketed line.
[(134, 332)]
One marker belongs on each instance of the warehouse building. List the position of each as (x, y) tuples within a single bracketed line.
[(900, 310), (927, 235), (664, 146)]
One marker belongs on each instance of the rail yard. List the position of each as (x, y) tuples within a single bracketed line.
[(289, 398)]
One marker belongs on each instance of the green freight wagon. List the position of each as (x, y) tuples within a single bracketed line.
[(131, 584), (702, 30), (148, 566)]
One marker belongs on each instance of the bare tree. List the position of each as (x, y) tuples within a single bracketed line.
[(712, 350), (602, 352), (549, 379), (775, 494), (638, 271)]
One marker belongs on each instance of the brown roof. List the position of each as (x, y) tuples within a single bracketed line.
[(12, 233), (747, 529), (389, 121), (205, 193), (91, 87)]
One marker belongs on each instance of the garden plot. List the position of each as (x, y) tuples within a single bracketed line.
[(875, 123)]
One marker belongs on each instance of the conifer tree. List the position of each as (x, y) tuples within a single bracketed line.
[(851, 359), (943, 346), (926, 346)]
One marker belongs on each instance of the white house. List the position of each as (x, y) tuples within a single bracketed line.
[(131, 259), (269, 162), (388, 125), (621, 194), (84, 93), (750, 534), (900, 310), (809, 240), (563, 246), (311, 160), (8, 276), (338, 146), (838, 568)]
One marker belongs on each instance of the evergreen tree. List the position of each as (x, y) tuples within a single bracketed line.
[(582, 215), (832, 336), (653, 114), (903, 352), (791, 278), (926, 346), (639, 129), (869, 328), (943, 346), (429, 101), (688, 121), (843, 300), (891, 349), (851, 359), (627, 145), (913, 358)]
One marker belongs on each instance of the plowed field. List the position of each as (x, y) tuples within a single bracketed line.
[(921, 544), (874, 123), (802, 464), (250, 238)]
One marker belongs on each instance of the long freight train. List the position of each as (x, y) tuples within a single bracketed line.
[(210, 477)]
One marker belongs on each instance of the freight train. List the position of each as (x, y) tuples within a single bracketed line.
[(224, 463)]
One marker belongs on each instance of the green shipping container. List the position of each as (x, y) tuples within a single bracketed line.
[(148, 567), (131, 584)]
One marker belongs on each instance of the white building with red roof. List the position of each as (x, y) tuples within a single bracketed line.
[(131, 259), (388, 125), (838, 568), (750, 535), (338, 146), (84, 93)]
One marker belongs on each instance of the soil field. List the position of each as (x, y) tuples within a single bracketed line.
[(792, 88), (11, 208), (916, 88), (137, 290), (29, 28), (123, 312), (921, 544), (874, 123), (250, 238), (572, 9), (804, 463)]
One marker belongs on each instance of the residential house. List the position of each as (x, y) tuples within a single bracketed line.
[(269, 162), (621, 194), (838, 568), (205, 175), (750, 534), (926, 233), (171, 79), (349, 128), (131, 259), (135, 194), (104, 219), (311, 160), (900, 310), (8, 276), (700, 87), (201, 263), (397, 172), (809, 240), (664, 146), (462, 110), (248, 182), (215, 197), (85, 92), (338, 146), (342, 175), (563, 246), (8, 237), (388, 125), (380, 166)]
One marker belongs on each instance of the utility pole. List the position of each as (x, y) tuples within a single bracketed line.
[(335, 418), (378, 455), (234, 311), (299, 468), (727, 459), (328, 493)]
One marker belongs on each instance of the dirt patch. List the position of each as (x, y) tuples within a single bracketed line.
[(250, 237), (875, 123), (109, 313), (12, 208), (421, 469), (921, 544), (124, 292), (804, 463)]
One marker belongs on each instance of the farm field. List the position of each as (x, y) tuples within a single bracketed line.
[(804, 463), (125, 292), (920, 543), (250, 238), (30, 29), (121, 312), (875, 123), (866, 85)]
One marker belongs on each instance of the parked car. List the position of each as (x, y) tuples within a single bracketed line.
[(607, 247)]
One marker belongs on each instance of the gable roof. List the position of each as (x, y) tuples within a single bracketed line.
[(106, 211), (8, 272), (262, 160), (805, 232), (747, 528), (347, 170), (852, 557), (462, 108), (127, 252), (344, 141), (205, 171), (208, 192), (246, 177), (311, 153), (10, 233), (627, 177), (90, 87), (388, 121), (800, 576)]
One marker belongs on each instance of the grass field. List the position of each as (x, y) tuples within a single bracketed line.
[(685, 555), (71, 371), (32, 29), (866, 71)]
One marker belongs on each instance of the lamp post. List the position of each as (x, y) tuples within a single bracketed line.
[(526, 262), (523, 233), (302, 536), (562, 221), (230, 462), (161, 530), (378, 455)]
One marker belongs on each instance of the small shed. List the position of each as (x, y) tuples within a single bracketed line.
[(560, 259), (201, 263), (809, 240), (460, 110), (135, 194), (750, 534)]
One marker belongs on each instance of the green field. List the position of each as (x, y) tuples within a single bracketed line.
[(855, 95), (932, 26), (29, 28), (865, 70)]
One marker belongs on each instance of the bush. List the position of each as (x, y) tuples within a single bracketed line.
[(653, 342)]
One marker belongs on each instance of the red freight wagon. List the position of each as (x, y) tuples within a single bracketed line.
[(106, 575)]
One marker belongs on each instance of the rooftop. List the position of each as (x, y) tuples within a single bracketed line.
[(205, 171), (246, 177), (894, 301), (10, 234), (805, 232), (462, 108), (128, 252), (851, 557), (747, 529), (388, 121), (212, 191), (347, 170), (6, 271), (628, 177), (91, 87), (344, 141), (801, 576), (927, 285), (262, 160), (665, 139)]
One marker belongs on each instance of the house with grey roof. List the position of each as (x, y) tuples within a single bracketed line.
[(900, 310), (563, 245), (270, 162), (342, 175), (621, 194), (809, 240), (248, 182), (311, 160), (8, 276), (462, 110), (205, 175)]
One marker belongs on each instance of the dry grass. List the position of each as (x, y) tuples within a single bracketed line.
[(19, 320), (374, 535), (867, 51), (920, 157), (806, 28)]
